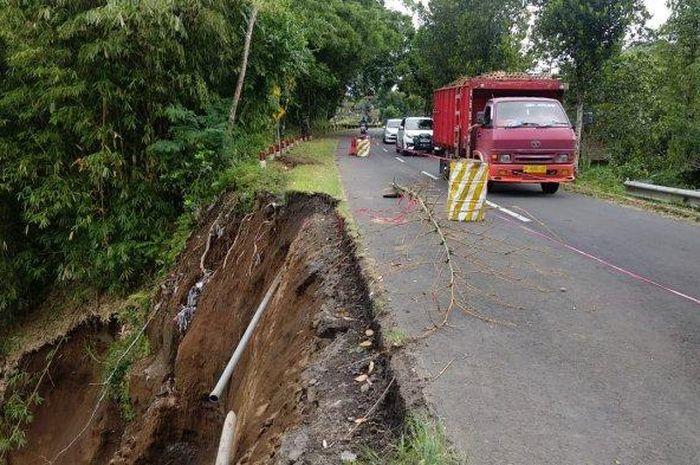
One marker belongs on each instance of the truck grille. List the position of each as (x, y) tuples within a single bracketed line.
[(541, 158)]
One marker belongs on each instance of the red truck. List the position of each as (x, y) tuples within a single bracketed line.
[(514, 122)]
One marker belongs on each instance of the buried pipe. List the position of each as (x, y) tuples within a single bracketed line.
[(227, 445), (235, 358)]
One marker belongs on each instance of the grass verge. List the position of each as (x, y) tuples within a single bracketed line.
[(602, 182), (423, 442), (314, 169), (600, 179)]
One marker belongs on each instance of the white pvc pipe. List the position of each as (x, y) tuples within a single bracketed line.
[(235, 358), (227, 445)]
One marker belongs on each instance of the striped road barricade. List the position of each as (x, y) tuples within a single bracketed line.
[(467, 193), (363, 147)]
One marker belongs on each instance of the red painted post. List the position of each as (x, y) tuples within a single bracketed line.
[(353, 147)]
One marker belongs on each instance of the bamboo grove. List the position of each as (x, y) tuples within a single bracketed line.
[(113, 121)]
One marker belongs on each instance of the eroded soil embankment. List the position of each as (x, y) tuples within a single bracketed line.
[(71, 373), (294, 388)]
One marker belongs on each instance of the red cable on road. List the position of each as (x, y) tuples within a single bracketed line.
[(377, 216), (606, 263)]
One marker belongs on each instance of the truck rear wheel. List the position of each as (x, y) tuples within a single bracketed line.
[(550, 187)]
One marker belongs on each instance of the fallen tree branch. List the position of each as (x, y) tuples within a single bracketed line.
[(443, 241)]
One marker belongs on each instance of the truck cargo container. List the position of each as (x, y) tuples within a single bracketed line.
[(514, 122)]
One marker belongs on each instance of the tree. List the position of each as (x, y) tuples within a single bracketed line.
[(396, 104), (244, 64), (682, 36), (582, 35), (349, 39), (465, 37), (630, 105)]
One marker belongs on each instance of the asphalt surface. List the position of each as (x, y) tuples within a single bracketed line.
[(577, 340)]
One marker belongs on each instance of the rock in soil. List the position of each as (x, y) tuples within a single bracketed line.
[(348, 457)]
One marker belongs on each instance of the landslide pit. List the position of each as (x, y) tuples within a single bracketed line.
[(295, 386)]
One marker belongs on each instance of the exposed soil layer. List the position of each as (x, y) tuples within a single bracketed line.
[(295, 390), (72, 375)]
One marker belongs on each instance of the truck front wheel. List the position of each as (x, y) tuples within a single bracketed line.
[(445, 169), (550, 187)]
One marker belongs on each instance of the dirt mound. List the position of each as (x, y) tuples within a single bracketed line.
[(295, 390)]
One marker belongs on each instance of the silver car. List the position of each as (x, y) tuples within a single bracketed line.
[(391, 128), (414, 130)]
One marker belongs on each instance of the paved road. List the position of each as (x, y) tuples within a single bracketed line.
[(579, 340)]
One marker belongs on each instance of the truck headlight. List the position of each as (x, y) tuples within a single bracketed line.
[(504, 158), (562, 158)]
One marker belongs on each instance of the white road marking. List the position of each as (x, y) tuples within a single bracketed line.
[(429, 175), (508, 212), (400, 159), (384, 149)]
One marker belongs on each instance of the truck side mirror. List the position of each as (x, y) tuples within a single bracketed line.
[(481, 117)]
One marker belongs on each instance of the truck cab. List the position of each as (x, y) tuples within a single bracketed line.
[(515, 122), (525, 140)]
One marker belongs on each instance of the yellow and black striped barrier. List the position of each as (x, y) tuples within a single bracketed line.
[(363, 147), (467, 194)]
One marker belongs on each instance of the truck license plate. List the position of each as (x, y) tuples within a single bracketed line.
[(535, 169)]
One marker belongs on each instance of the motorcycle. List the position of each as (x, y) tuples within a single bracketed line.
[(363, 129)]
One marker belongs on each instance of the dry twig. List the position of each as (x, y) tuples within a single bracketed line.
[(371, 410), (443, 241), (449, 364)]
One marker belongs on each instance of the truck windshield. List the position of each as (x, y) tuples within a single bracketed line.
[(530, 113), (414, 124)]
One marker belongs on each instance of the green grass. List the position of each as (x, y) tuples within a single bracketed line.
[(397, 337), (603, 182), (423, 443), (318, 171), (600, 179)]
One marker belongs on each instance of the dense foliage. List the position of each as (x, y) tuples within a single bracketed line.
[(582, 36), (645, 98), (354, 45), (113, 120), (465, 38)]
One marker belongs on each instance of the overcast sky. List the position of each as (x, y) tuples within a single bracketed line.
[(657, 8)]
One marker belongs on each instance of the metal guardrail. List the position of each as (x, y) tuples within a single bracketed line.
[(668, 194)]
